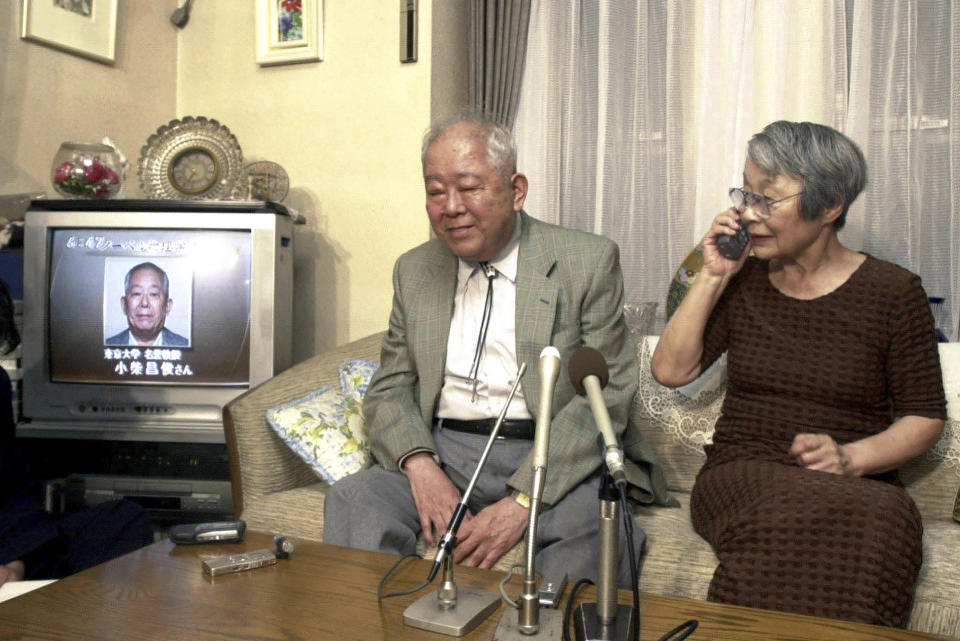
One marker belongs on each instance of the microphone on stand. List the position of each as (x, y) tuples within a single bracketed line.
[(604, 619), (528, 620), (451, 611), (549, 373), (589, 375)]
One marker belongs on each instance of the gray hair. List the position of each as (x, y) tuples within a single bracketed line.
[(159, 272), (496, 137), (830, 165)]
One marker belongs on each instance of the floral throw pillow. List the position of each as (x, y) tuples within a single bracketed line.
[(326, 428), (355, 376)]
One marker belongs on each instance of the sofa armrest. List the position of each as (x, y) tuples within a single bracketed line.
[(261, 463)]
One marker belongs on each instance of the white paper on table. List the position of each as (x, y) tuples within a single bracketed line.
[(12, 589)]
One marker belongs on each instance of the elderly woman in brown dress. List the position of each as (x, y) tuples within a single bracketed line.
[(833, 382)]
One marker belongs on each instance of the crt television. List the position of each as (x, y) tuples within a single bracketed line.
[(227, 325)]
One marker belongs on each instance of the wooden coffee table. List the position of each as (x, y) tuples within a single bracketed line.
[(324, 592)]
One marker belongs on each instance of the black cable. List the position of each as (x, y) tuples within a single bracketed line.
[(569, 609), (634, 579), (685, 629), (383, 580), (678, 633)]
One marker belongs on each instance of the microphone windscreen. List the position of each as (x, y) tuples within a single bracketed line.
[(587, 361)]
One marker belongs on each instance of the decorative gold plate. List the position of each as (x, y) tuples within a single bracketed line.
[(190, 159)]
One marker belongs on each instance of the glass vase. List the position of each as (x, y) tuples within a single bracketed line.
[(86, 170)]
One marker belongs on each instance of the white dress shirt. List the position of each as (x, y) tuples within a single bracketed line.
[(498, 363), (157, 342)]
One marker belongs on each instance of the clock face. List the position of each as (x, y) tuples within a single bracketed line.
[(194, 171)]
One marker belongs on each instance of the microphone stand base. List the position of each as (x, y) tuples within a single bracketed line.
[(472, 607), (551, 626), (588, 627)]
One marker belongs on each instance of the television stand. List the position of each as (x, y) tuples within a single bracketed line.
[(174, 482)]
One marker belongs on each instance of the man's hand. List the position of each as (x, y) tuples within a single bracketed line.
[(821, 452), (433, 492), (12, 571), (491, 533)]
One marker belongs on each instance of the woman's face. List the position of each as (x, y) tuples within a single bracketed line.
[(785, 233)]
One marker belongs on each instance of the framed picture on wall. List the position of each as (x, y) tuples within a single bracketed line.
[(289, 31), (84, 27)]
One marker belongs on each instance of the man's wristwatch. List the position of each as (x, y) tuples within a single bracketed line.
[(522, 499)]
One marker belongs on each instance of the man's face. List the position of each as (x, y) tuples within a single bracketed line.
[(471, 206), (145, 305)]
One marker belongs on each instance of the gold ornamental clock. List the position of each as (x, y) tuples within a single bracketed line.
[(190, 159), (194, 171)]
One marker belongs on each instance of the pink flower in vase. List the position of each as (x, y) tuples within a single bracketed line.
[(94, 171), (111, 176), (63, 172)]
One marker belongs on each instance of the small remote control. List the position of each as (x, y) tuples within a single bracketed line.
[(238, 562), (732, 246)]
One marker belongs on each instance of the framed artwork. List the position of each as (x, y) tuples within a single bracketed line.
[(289, 31), (84, 27)]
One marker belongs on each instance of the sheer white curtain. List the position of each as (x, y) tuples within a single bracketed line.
[(600, 129), (904, 110), (634, 115), (758, 61)]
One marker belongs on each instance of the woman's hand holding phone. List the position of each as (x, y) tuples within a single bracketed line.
[(725, 244)]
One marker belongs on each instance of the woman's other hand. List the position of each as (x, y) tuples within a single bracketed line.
[(820, 452), (908, 437), (714, 263)]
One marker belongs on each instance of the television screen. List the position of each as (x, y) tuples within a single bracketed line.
[(142, 319), (149, 306)]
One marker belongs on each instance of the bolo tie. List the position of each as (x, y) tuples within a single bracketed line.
[(490, 272)]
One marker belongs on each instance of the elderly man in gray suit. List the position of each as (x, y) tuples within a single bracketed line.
[(488, 293)]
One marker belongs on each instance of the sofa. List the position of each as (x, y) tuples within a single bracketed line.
[(275, 491)]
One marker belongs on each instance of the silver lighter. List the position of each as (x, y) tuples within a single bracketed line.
[(238, 562)]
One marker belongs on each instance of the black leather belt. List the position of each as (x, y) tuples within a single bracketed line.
[(510, 428)]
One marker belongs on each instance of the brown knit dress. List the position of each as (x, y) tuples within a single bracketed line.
[(844, 364)]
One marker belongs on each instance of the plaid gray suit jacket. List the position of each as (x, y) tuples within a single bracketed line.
[(569, 294)]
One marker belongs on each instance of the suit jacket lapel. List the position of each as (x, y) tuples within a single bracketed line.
[(437, 306), (537, 296)]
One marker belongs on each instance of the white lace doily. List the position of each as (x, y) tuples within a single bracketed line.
[(948, 447), (686, 414)]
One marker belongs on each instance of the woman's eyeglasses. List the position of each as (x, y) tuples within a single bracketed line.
[(759, 204)]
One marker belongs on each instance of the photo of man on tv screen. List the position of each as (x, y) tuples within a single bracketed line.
[(146, 304)]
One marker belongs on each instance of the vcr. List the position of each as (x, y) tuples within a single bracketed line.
[(162, 497)]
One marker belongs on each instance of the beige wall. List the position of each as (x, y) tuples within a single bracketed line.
[(48, 96), (346, 129)]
